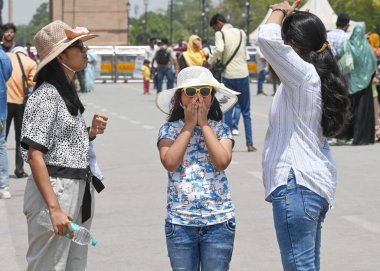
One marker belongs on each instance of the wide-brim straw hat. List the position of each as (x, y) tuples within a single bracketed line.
[(197, 76), (54, 38)]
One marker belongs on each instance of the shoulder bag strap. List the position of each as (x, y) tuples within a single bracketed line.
[(24, 78), (236, 50)]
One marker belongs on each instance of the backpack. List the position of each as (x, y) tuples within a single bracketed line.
[(162, 56)]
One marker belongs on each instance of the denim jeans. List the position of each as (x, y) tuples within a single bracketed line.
[(161, 72), (207, 248), (236, 117), (241, 85), (298, 215), (260, 81), (4, 179)]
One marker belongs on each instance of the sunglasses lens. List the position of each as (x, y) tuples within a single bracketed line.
[(78, 44), (190, 91), (205, 91)]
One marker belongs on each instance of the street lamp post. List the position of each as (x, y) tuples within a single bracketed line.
[(146, 2), (128, 9), (248, 18), (203, 14), (171, 22)]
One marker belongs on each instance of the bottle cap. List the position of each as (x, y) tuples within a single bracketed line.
[(94, 242)]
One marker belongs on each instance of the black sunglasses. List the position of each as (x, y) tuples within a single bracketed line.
[(78, 44)]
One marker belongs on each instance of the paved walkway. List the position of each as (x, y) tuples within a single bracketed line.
[(130, 212)]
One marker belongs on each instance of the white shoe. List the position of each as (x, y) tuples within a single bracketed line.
[(5, 194), (235, 132)]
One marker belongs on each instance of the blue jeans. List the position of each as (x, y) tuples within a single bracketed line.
[(193, 248), (236, 117), (161, 72), (298, 215), (240, 85), (260, 81), (4, 179)]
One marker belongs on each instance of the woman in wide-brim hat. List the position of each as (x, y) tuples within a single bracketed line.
[(55, 143), (195, 148)]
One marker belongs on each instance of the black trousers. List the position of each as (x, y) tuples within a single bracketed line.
[(16, 112)]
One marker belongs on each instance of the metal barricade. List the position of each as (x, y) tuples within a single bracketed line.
[(129, 60), (251, 62), (107, 62)]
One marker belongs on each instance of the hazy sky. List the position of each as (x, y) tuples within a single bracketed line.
[(23, 10)]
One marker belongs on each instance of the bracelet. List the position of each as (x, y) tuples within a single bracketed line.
[(282, 10), (90, 138)]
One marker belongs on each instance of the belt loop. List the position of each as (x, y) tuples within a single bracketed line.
[(291, 180)]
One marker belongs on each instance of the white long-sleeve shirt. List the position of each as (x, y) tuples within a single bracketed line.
[(294, 138), (237, 68)]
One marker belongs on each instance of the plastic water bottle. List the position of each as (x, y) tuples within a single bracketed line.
[(81, 235)]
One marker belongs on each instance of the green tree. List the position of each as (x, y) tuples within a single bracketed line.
[(25, 33), (360, 10)]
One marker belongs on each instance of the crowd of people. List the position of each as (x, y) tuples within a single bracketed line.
[(328, 92)]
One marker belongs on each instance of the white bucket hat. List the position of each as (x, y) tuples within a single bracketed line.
[(197, 76), (54, 38)]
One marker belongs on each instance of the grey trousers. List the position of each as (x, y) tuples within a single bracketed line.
[(48, 251)]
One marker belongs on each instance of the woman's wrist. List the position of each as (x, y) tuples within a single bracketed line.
[(91, 133)]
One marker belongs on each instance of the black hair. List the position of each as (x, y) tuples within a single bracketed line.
[(146, 61), (165, 41), (306, 32), (177, 113), (54, 74), (217, 17), (8, 26), (343, 20)]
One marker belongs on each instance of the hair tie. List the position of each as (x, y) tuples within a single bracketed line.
[(325, 45)]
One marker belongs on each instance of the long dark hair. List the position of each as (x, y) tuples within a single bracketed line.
[(54, 74), (176, 113), (306, 32)]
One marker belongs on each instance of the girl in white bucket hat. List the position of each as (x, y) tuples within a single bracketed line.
[(55, 143), (195, 148)]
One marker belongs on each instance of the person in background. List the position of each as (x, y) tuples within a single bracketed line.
[(9, 33), (146, 74), (261, 68), (339, 35), (194, 55), (90, 71), (5, 74), (235, 75), (149, 54), (374, 41), (17, 89), (206, 49), (361, 127), (165, 59), (180, 47), (311, 104), (151, 50), (30, 53)]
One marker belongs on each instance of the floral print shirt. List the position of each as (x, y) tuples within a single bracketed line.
[(198, 193)]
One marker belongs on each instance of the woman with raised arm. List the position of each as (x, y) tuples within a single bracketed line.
[(310, 105)]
